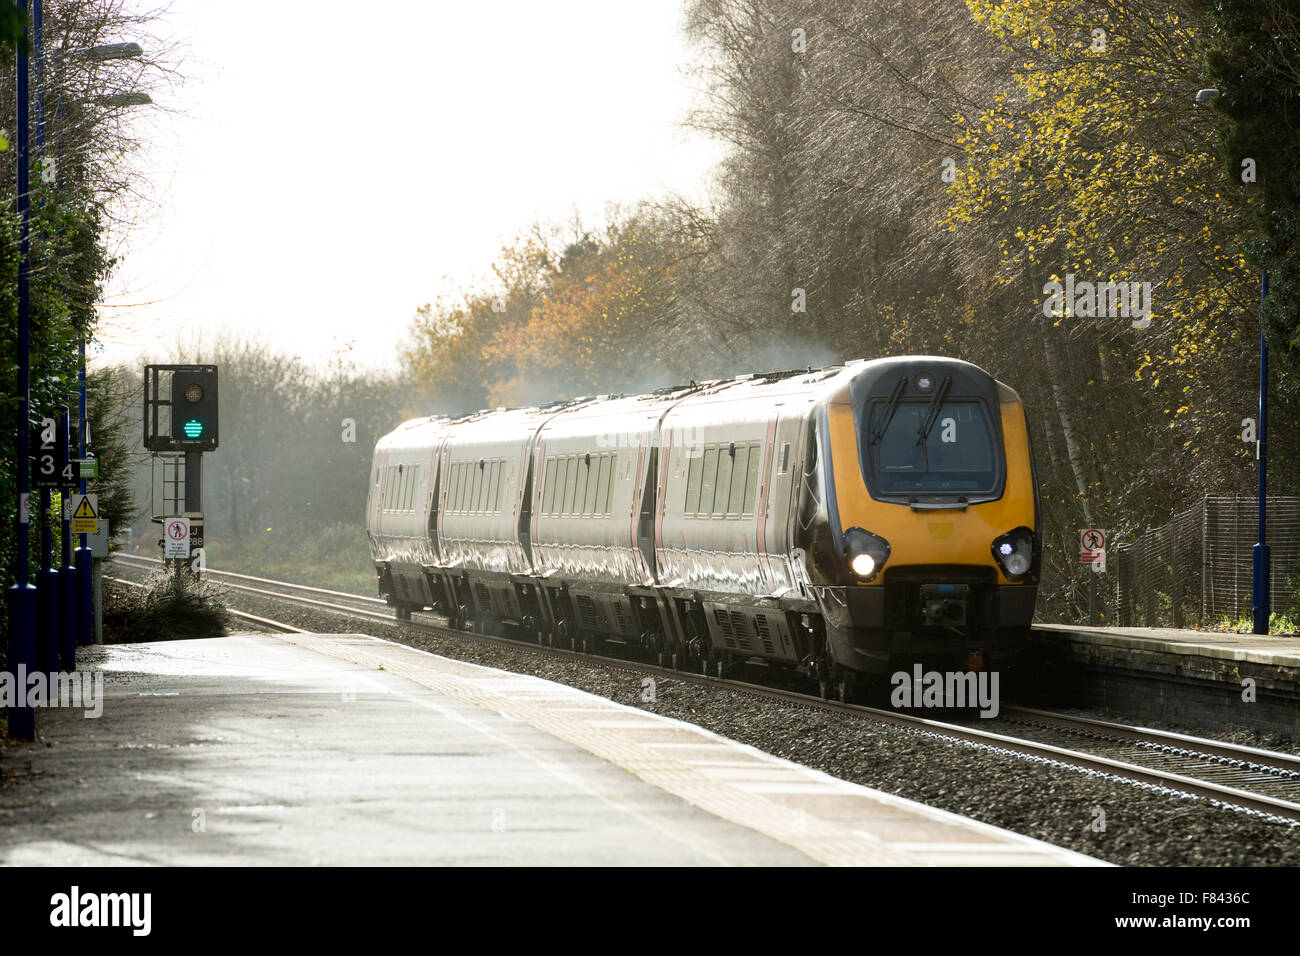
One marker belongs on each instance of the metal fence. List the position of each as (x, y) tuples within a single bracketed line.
[(1196, 571)]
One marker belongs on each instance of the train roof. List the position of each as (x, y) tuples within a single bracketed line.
[(812, 383)]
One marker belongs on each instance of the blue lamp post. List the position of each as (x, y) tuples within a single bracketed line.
[(22, 596), (1261, 609), (75, 595), (1260, 601)]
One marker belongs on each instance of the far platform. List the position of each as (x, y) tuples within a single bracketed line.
[(1208, 679), (346, 749)]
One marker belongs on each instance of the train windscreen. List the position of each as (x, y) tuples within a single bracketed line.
[(915, 448)]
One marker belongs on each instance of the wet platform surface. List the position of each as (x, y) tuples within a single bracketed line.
[(345, 749), (1258, 648)]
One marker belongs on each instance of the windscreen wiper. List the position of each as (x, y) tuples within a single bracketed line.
[(878, 433), (932, 412)]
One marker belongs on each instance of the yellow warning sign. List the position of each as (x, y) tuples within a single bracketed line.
[(85, 514)]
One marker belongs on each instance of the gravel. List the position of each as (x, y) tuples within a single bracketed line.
[(1117, 821)]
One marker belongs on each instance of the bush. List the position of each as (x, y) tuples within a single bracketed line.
[(169, 607)]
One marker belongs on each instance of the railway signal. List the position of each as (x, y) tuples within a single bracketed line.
[(180, 416), (194, 408)]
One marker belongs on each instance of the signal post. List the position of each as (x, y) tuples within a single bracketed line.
[(180, 420)]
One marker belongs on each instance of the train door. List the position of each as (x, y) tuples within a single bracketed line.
[(436, 482), (644, 486), (524, 524), (375, 508), (782, 475)]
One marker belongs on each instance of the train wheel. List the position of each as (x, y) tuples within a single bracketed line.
[(846, 685)]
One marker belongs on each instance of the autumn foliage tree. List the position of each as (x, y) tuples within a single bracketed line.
[(910, 178)]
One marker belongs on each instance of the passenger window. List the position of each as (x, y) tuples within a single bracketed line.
[(548, 487), (476, 476), (606, 471), (751, 481), (570, 484), (580, 493), (693, 481), (723, 486), (739, 469), (493, 498), (482, 484), (706, 480), (590, 505)]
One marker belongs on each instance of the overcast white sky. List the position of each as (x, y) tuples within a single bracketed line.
[(335, 165)]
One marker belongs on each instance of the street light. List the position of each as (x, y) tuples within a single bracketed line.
[(111, 51), (1260, 600), (125, 99)]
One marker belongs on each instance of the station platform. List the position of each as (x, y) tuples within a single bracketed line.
[(1208, 679), (347, 749)]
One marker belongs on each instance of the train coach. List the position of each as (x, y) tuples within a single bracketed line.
[(840, 521)]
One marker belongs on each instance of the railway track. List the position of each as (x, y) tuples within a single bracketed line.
[(1246, 778)]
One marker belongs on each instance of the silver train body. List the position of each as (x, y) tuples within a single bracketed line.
[(700, 521)]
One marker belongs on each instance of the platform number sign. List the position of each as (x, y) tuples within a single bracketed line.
[(53, 467)]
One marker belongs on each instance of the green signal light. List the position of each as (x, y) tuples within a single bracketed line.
[(193, 428)]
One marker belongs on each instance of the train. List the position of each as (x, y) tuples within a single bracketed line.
[(840, 522)]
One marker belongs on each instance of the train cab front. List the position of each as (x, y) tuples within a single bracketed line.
[(935, 501)]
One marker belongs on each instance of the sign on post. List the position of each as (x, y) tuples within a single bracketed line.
[(1092, 548), (1091, 543), (99, 541), (85, 513), (176, 538), (52, 468)]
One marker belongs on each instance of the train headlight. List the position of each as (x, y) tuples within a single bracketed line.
[(1014, 551), (866, 552)]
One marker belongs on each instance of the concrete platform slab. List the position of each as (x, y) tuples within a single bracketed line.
[(332, 749), (1200, 679)]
